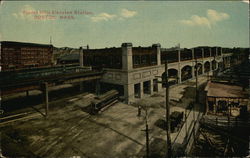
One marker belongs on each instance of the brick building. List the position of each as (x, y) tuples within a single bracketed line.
[(19, 55)]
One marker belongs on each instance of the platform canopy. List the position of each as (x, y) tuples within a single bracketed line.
[(222, 90)]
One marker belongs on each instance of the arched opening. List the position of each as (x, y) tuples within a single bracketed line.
[(186, 73), (213, 65), (207, 66), (173, 76)]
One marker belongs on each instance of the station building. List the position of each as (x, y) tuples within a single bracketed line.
[(226, 99), (135, 71)]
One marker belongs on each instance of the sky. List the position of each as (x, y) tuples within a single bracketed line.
[(101, 24)]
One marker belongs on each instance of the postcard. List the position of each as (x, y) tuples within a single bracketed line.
[(104, 79)]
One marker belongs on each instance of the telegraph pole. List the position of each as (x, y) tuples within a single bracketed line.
[(208, 75), (168, 141), (169, 148), (50, 40), (147, 133), (196, 95), (147, 136), (196, 82)]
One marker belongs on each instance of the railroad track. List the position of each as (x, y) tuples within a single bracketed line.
[(17, 117), (32, 114)]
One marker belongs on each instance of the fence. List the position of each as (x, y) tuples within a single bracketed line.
[(185, 137), (224, 122)]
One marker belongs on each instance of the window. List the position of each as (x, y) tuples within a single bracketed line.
[(153, 59), (136, 60), (145, 59), (117, 62)]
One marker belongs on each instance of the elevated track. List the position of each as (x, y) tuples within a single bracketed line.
[(32, 79), (41, 78)]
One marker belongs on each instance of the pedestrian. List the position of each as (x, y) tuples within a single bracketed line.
[(139, 111)]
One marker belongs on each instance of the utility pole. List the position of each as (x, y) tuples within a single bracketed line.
[(165, 82), (169, 148), (50, 40), (196, 96), (46, 98), (147, 133), (208, 75), (147, 136), (196, 82)]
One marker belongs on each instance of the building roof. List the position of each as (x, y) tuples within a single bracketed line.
[(14, 43), (171, 49), (70, 57), (220, 90)]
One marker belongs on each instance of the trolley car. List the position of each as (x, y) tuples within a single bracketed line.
[(100, 103)]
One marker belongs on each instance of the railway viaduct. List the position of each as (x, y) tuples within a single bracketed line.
[(136, 81)]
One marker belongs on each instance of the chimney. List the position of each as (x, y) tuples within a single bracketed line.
[(81, 56)]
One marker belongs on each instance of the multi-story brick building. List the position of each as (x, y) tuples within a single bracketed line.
[(19, 55)]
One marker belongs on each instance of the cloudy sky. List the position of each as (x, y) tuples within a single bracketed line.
[(109, 24)]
